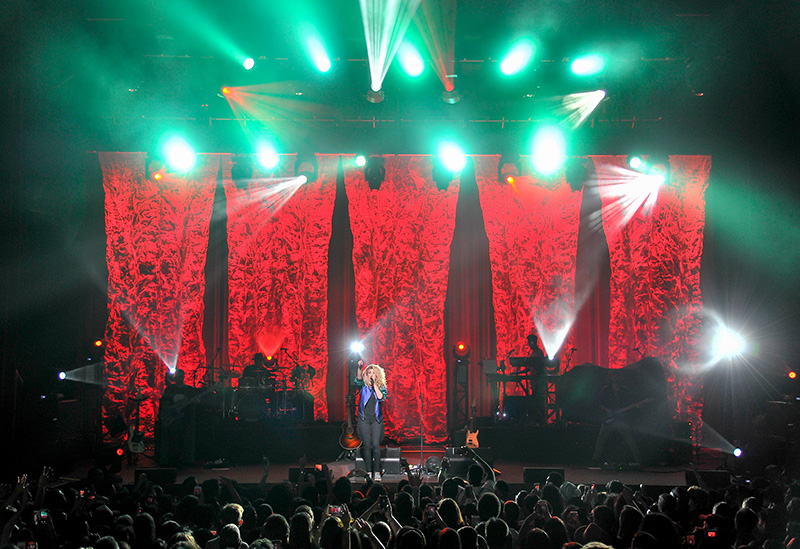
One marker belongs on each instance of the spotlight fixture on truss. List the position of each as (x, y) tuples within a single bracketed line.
[(375, 172), (306, 166), (579, 170), (451, 97), (375, 96), (508, 168)]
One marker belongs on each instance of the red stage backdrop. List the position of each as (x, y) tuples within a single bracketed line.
[(533, 238), (401, 252), (655, 250), (278, 237), (157, 239)]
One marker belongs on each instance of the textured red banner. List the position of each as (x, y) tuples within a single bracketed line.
[(532, 228), (655, 243), (278, 238), (401, 254), (157, 240)]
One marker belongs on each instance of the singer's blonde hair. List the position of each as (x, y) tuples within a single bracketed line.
[(381, 378)]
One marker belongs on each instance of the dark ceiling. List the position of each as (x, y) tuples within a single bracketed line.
[(676, 70)]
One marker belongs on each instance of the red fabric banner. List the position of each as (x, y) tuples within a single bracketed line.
[(533, 237), (278, 237), (655, 240), (401, 251), (157, 240)]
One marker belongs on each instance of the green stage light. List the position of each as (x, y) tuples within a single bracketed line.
[(588, 65), (452, 156), (248, 63), (361, 161), (410, 60), (635, 162), (179, 155), (549, 150), (266, 156), (318, 54), (517, 57)]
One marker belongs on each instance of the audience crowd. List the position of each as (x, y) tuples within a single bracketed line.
[(322, 513)]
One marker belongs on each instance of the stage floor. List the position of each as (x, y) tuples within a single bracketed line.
[(511, 471)]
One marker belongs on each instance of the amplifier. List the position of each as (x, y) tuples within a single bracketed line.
[(390, 460)]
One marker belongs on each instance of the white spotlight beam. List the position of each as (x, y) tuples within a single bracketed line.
[(385, 24), (577, 107), (629, 191)]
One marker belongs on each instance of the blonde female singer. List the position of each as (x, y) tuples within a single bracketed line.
[(371, 383)]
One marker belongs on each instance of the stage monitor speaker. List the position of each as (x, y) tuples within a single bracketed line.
[(538, 475), (163, 476), (460, 459), (715, 480), (390, 460)]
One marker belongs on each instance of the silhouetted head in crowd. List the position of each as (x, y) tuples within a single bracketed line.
[(382, 532), (300, 531), (497, 534), (555, 478), (231, 513), (450, 488), (404, 507), (342, 490), (536, 539), (557, 531), (276, 528), (489, 507), (410, 538), (630, 519), (475, 474), (331, 534), (450, 513), (552, 495), (511, 514), (448, 539), (469, 537), (502, 490), (662, 528)]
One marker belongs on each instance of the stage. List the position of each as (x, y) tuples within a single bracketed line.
[(511, 471)]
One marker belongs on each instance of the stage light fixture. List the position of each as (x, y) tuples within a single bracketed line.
[(549, 150), (375, 96), (357, 347), (242, 171), (360, 160), (792, 375), (375, 172), (659, 167), (517, 58), (509, 167), (451, 97), (62, 375), (226, 91), (461, 350), (588, 65), (579, 170), (248, 63), (410, 60), (318, 54), (727, 343), (737, 452), (99, 342), (266, 156), (179, 155), (305, 166), (452, 156), (635, 162)]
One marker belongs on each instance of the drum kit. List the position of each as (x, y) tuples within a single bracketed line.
[(268, 392)]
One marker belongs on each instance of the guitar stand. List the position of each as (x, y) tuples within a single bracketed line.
[(348, 455)]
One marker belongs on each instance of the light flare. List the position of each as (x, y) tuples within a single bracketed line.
[(576, 107), (385, 23), (628, 192), (518, 57)]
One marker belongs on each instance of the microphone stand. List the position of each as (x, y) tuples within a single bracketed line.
[(480, 460), (421, 430)]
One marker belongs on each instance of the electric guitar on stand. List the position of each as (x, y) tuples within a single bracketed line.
[(472, 432), (135, 440)]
